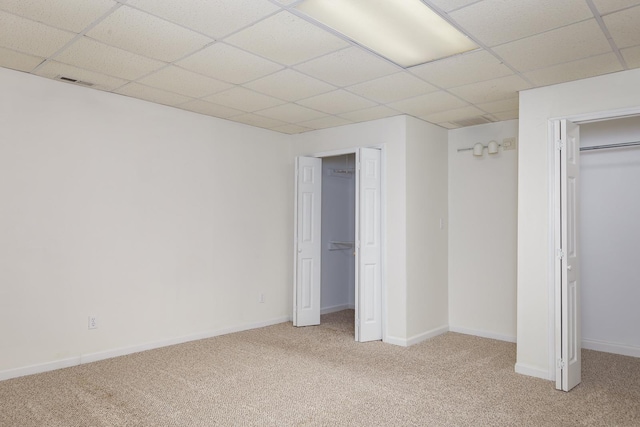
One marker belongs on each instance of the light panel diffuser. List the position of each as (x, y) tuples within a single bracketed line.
[(406, 32)]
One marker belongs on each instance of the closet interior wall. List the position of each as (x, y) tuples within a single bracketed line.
[(609, 233), (338, 232)]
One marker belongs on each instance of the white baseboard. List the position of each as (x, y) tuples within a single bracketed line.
[(483, 334), (335, 308), (532, 371), (108, 354), (609, 347), (406, 342)]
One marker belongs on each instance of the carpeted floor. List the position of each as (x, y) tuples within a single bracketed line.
[(318, 376)]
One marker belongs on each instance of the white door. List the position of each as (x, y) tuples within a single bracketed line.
[(369, 280), (306, 290), (568, 369)]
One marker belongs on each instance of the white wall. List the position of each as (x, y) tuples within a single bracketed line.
[(165, 224), (426, 171), (338, 224), (483, 233), (609, 237), (617, 91)]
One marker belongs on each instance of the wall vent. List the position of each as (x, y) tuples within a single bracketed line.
[(480, 120), (74, 81)]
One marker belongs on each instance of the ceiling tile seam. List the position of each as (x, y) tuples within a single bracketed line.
[(566, 63), (284, 101), (607, 34), (241, 112), (191, 98), (78, 36), (457, 8)]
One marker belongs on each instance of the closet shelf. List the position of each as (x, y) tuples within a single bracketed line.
[(337, 245)]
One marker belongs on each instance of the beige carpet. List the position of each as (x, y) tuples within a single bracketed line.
[(283, 376)]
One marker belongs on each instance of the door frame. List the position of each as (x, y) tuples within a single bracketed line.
[(383, 227), (554, 284)]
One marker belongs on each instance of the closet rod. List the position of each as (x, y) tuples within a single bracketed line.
[(622, 144)]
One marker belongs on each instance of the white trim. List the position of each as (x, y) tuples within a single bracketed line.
[(532, 371), (335, 308), (610, 347), (108, 354), (483, 334), (417, 338)]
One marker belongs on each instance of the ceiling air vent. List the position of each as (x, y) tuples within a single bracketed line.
[(74, 81), (480, 120)]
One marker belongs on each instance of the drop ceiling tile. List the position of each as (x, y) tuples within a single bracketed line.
[(632, 56), (215, 18), (449, 5), (71, 15), (348, 67), (139, 91), (608, 6), (507, 115), (462, 69), (287, 2), (337, 102), (428, 104), (259, 121), (555, 47), (290, 85), (467, 112), (209, 109), (495, 22), (325, 122), (243, 99), (95, 56), (500, 106), (393, 88), (53, 69), (291, 129), (184, 82), (492, 90), (373, 113), (286, 39), (31, 37), (144, 34), (624, 27), (448, 125), (18, 61), (229, 64), (291, 113), (576, 70)]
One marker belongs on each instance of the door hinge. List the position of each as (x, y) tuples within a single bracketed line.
[(561, 254), (559, 144), (561, 364)]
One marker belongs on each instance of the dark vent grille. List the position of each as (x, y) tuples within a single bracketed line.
[(74, 81)]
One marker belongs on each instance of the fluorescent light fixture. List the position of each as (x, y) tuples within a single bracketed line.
[(406, 32)]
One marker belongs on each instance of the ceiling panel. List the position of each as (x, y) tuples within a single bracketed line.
[(290, 85), (71, 15), (555, 47), (373, 113), (184, 82), (337, 102), (243, 99), (495, 22), (348, 67), (624, 27), (500, 106), (428, 104), (204, 107), (215, 18), (607, 6), (53, 69), (18, 61), (462, 69), (146, 35), (325, 122), (467, 112), (580, 69), (507, 115), (139, 91), (291, 113), (229, 64), (492, 90), (393, 88), (31, 37), (632, 56), (92, 55), (291, 129), (286, 39), (259, 121)]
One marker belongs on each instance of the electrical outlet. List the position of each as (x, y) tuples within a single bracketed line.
[(93, 322), (261, 299), (509, 143)]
